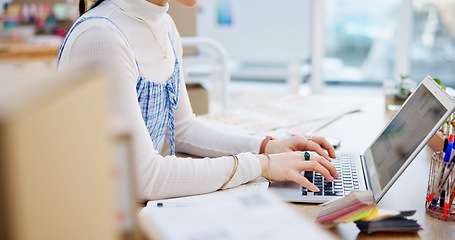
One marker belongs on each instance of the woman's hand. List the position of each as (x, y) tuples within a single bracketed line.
[(289, 165), (300, 143)]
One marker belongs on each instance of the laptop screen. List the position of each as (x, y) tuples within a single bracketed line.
[(405, 133)]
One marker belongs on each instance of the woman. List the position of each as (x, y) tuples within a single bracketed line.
[(136, 43)]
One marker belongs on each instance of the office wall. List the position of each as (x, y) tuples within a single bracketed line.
[(258, 30)]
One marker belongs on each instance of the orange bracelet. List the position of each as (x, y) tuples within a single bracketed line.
[(264, 143)]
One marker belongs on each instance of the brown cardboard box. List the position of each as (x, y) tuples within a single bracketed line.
[(437, 141), (56, 177), (198, 98), (185, 20)]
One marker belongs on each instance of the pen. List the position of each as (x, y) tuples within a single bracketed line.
[(447, 154), (445, 204), (452, 195), (444, 181), (433, 198), (448, 149), (442, 199), (439, 184)]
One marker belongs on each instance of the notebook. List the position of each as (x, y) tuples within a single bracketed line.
[(387, 157)]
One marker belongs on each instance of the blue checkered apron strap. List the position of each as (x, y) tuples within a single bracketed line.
[(158, 103), (173, 89)]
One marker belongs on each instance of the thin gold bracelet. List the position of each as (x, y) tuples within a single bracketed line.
[(268, 163), (266, 168), (234, 170)]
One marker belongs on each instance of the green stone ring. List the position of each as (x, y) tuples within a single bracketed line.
[(307, 156)]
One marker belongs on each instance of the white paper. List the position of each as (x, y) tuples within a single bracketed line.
[(240, 215), (261, 185)]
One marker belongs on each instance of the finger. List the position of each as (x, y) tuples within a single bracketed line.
[(325, 145), (330, 167), (299, 142), (313, 146), (316, 166), (303, 181)]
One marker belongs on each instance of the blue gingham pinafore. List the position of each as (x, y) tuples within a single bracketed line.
[(158, 101)]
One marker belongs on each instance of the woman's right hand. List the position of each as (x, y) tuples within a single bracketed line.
[(289, 165)]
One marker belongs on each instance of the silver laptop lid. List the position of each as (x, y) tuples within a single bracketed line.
[(406, 134)]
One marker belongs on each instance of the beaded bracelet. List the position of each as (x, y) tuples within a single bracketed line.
[(236, 165)]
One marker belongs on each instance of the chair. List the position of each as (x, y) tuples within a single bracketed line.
[(210, 59)]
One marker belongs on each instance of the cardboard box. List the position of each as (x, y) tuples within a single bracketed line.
[(437, 141), (55, 158), (198, 98), (185, 20)]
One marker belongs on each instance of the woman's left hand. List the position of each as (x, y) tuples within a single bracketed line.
[(301, 143)]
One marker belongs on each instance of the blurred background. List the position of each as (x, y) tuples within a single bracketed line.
[(363, 41), (235, 52)]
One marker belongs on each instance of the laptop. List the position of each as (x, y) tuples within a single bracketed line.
[(387, 157)]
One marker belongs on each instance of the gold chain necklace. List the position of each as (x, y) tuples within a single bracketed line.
[(163, 49), (151, 30)]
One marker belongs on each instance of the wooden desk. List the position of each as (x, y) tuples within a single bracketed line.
[(24, 52), (357, 131)]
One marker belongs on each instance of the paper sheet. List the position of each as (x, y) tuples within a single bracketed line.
[(261, 185), (239, 215)]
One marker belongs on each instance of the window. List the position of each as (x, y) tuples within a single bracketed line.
[(433, 45), (360, 38)]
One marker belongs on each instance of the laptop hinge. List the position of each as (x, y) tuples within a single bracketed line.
[(365, 172)]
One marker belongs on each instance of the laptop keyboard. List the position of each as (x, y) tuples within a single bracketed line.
[(348, 181)]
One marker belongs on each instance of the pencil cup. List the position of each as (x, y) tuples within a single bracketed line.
[(441, 188)]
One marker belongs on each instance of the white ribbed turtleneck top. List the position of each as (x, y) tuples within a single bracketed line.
[(146, 27)]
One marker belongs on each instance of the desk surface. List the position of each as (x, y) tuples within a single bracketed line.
[(357, 131), (23, 52)]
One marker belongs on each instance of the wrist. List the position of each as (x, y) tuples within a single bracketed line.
[(265, 142), (264, 161)]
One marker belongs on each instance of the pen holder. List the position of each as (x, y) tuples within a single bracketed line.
[(440, 201)]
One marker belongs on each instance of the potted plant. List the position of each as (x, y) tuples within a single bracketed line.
[(397, 91)]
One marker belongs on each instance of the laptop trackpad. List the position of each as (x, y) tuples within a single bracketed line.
[(287, 190)]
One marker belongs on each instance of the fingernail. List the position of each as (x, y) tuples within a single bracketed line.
[(315, 189)]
